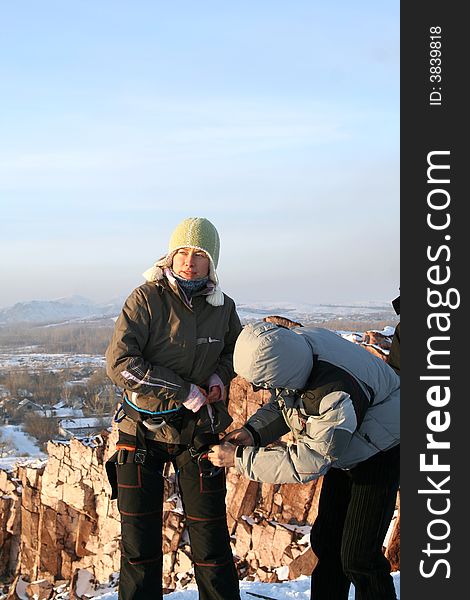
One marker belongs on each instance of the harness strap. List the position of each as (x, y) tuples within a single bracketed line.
[(144, 420), (138, 414), (127, 454), (141, 443), (182, 418), (188, 426)]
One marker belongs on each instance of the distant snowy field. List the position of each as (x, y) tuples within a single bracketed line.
[(28, 358), (315, 313)]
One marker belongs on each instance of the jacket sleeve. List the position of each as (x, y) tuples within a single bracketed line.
[(267, 424), (225, 366), (323, 440), (125, 363)]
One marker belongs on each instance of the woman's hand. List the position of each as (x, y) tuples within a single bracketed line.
[(216, 389), (196, 398), (222, 455)]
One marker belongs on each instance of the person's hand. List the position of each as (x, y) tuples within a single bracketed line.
[(216, 389), (196, 398), (222, 455), (239, 437)]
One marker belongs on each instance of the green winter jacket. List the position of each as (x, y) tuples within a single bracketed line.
[(160, 346)]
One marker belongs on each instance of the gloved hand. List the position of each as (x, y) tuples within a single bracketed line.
[(216, 389), (196, 398)]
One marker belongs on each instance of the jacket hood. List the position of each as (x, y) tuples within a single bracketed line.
[(267, 355)]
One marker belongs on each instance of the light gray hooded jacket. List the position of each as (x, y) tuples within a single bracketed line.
[(341, 403)]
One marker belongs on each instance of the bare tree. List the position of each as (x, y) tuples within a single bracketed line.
[(100, 398), (45, 386), (41, 428)]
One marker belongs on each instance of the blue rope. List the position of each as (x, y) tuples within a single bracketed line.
[(150, 412)]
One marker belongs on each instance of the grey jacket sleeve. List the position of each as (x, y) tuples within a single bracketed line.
[(322, 441), (125, 364)]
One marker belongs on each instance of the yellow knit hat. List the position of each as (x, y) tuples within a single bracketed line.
[(198, 233)]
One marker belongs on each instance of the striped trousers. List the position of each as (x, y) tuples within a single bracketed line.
[(354, 513)]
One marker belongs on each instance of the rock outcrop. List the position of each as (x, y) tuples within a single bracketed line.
[(58, 524)]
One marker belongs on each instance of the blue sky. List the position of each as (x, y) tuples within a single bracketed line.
[(278, 121)]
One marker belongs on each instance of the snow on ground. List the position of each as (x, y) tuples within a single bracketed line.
[(23, 448), (298, 589)]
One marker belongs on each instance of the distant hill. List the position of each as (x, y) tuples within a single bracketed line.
[(60, 310), (79, 309)]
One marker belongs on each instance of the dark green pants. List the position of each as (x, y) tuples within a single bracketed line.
[(140, 503), (354, 513)]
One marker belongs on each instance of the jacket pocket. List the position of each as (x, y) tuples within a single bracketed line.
[(139, 489), (211, 479)]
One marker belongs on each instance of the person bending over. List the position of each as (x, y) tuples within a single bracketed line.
[(342, 406)]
